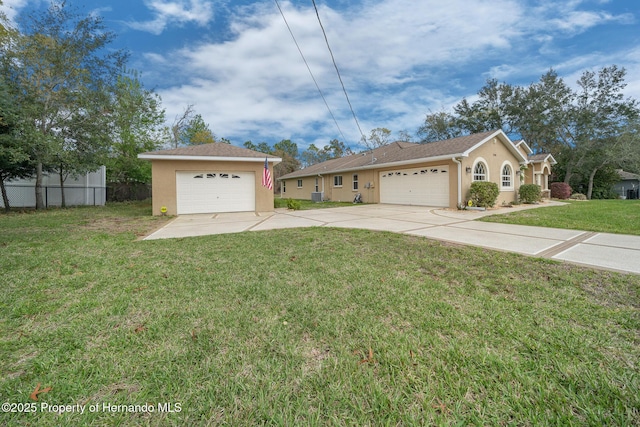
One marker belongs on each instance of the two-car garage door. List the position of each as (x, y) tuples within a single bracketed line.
[(427, 186), (215, 191)]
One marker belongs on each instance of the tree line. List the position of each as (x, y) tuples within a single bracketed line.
[(69, 104), (591, 130)]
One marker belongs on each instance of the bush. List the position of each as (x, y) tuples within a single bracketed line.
[(293, 204), (484, 194), (578, 196), (529, 193), (560, 190)]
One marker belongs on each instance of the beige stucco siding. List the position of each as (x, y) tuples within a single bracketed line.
[(164, 181), (494, 153), (366, 178)]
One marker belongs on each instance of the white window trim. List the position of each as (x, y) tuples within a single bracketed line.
[(512, 186), (355, 179), (335, 178), (486, 169), (284, 186), (299, 183)]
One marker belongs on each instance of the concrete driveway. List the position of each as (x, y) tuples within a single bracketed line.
[(601, 250)]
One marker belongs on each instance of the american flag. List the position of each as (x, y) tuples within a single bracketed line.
[(266, 176)]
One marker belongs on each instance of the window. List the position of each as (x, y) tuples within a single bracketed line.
[(316, 184), (199, 176), (480, 172), (284, 186), (506, 176), (355, 182), (211, 175), (337, 181), (299, 183)]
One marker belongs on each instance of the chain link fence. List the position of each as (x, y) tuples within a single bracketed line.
[(119, 192)]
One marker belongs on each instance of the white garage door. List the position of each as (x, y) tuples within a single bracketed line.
[(215, 191), (422, 186)]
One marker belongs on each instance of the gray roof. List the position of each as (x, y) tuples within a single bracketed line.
[(216, 149), (402, 152), (627, 175), (542, 157)]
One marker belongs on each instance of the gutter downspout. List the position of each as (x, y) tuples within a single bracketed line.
[(459, 181), (322, 186)]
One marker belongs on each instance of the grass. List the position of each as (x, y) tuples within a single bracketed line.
[(308, 204), (313, 326), (607, 216)]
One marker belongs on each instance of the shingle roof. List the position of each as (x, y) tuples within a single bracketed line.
[(627, 175), (216, 149), (541, 158), (398, 152)]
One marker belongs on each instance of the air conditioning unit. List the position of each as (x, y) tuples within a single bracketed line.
[(317, 197)]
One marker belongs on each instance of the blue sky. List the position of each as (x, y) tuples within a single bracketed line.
[(399, 59)]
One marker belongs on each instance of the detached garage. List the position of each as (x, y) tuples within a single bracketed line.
[(210, 178)]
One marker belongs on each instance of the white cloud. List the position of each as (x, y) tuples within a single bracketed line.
[(178, 12), (11, 8), (398, 59)]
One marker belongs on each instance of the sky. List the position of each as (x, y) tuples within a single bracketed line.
[(237, 64)]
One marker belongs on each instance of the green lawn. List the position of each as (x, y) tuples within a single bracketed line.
[(308, 204), (312, 326), (608, 216)]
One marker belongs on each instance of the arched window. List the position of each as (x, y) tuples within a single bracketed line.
[(507, 176), (480, 172)]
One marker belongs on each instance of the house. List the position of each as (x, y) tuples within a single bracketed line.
[(209, 178), (434, 174), (86, 189), (629, 185), (538, 169)]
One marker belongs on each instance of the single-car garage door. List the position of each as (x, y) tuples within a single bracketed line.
[(215, 191), (422, 186)]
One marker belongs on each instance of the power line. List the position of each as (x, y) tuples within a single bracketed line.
[(338, 71), (308, 68)]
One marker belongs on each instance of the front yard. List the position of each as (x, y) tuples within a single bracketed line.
[(311, 326), (607, 216)]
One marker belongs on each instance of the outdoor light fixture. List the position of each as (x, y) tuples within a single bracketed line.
[(518, 172), (468, 169)]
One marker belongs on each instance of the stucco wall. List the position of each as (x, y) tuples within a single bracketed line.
[(369, 176), (163, 184), (494, 153)]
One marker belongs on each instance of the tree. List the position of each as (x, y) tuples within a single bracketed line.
[(288, 152), (377, 138), (197, 132), (180, 123), (491, 111), (601, 117), (14, 159), (136, 117), (439, 126), (60, 66)]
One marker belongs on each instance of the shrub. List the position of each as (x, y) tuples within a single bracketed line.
[(484, 194), (560, 190), (578, 196), (529, 193), (293, 204)]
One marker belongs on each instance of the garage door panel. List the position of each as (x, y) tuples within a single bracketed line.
[(418, 186), (214, 191)]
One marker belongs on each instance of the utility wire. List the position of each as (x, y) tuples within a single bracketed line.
[(308, 68), (338, 71)]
